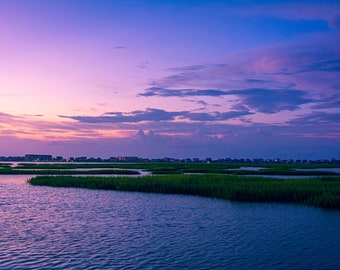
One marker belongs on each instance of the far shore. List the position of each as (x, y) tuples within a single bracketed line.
[(163, 168)]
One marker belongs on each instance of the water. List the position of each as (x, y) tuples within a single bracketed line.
[(255, 169), (44, 227), (335, 170), (140, 172)]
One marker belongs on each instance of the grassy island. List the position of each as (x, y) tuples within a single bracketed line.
[(321, 192), (165, 168)]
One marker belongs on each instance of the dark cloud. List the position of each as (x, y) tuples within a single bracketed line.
[(199, 102), (205, 135), (256, 81), (317, 119), (135, 116), (279, 67), (328, 66), (197, 67), (188, 68), (217, 116), (156, 115), (333, 101), (272, 101), (238, 142), (164, 92), (261, 100), (193, 75)]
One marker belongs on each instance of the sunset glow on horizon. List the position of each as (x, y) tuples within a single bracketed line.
[(170, 78)]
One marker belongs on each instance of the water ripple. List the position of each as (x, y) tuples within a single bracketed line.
[(58, 228)]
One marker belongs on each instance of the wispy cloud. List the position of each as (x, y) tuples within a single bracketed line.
[(302, 79), (157, 115), (199, 102), (317, 118), (261, 100), (119, 48), (132, 117), (210, 78), (270, 80), (327, 66), (197, 67), (308, 70), (143, 65), (183, 132), (35, 127), (331, 102), (164, 92), (272, 101)]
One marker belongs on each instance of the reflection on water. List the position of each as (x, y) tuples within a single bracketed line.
[(44, 227), (255, 169), (74, 172), (334, 170), (14, 179)]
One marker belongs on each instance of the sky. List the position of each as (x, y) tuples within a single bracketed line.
[(154, 79)]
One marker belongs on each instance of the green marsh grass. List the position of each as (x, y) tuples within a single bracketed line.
[(164, 168), (155, 168), (320, 192), (281, 171)]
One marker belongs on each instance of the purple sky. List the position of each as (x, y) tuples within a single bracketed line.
[(151, 78)]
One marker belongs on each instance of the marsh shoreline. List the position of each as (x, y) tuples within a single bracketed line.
[(272, 183), (321, 192)]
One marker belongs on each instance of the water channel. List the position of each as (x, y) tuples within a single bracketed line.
[(43, 227)]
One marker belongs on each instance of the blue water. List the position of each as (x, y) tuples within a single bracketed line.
[(44, 227)]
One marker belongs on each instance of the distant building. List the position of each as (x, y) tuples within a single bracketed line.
[(38, 158), (128, 159), (80, 159)]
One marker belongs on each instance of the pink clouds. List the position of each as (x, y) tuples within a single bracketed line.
[(218, 76)]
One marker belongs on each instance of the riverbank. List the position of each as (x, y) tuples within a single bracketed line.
[(321, 192), (170, 168)]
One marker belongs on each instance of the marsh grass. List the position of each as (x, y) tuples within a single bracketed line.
[(321, 192), (155, 168), (5, 165), (164, 168), (65, 166), (281, 171)]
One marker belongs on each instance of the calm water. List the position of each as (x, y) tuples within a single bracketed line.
[(335, 170), (45, 227)]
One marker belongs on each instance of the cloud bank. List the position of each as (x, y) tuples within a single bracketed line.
[(224, 78)]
